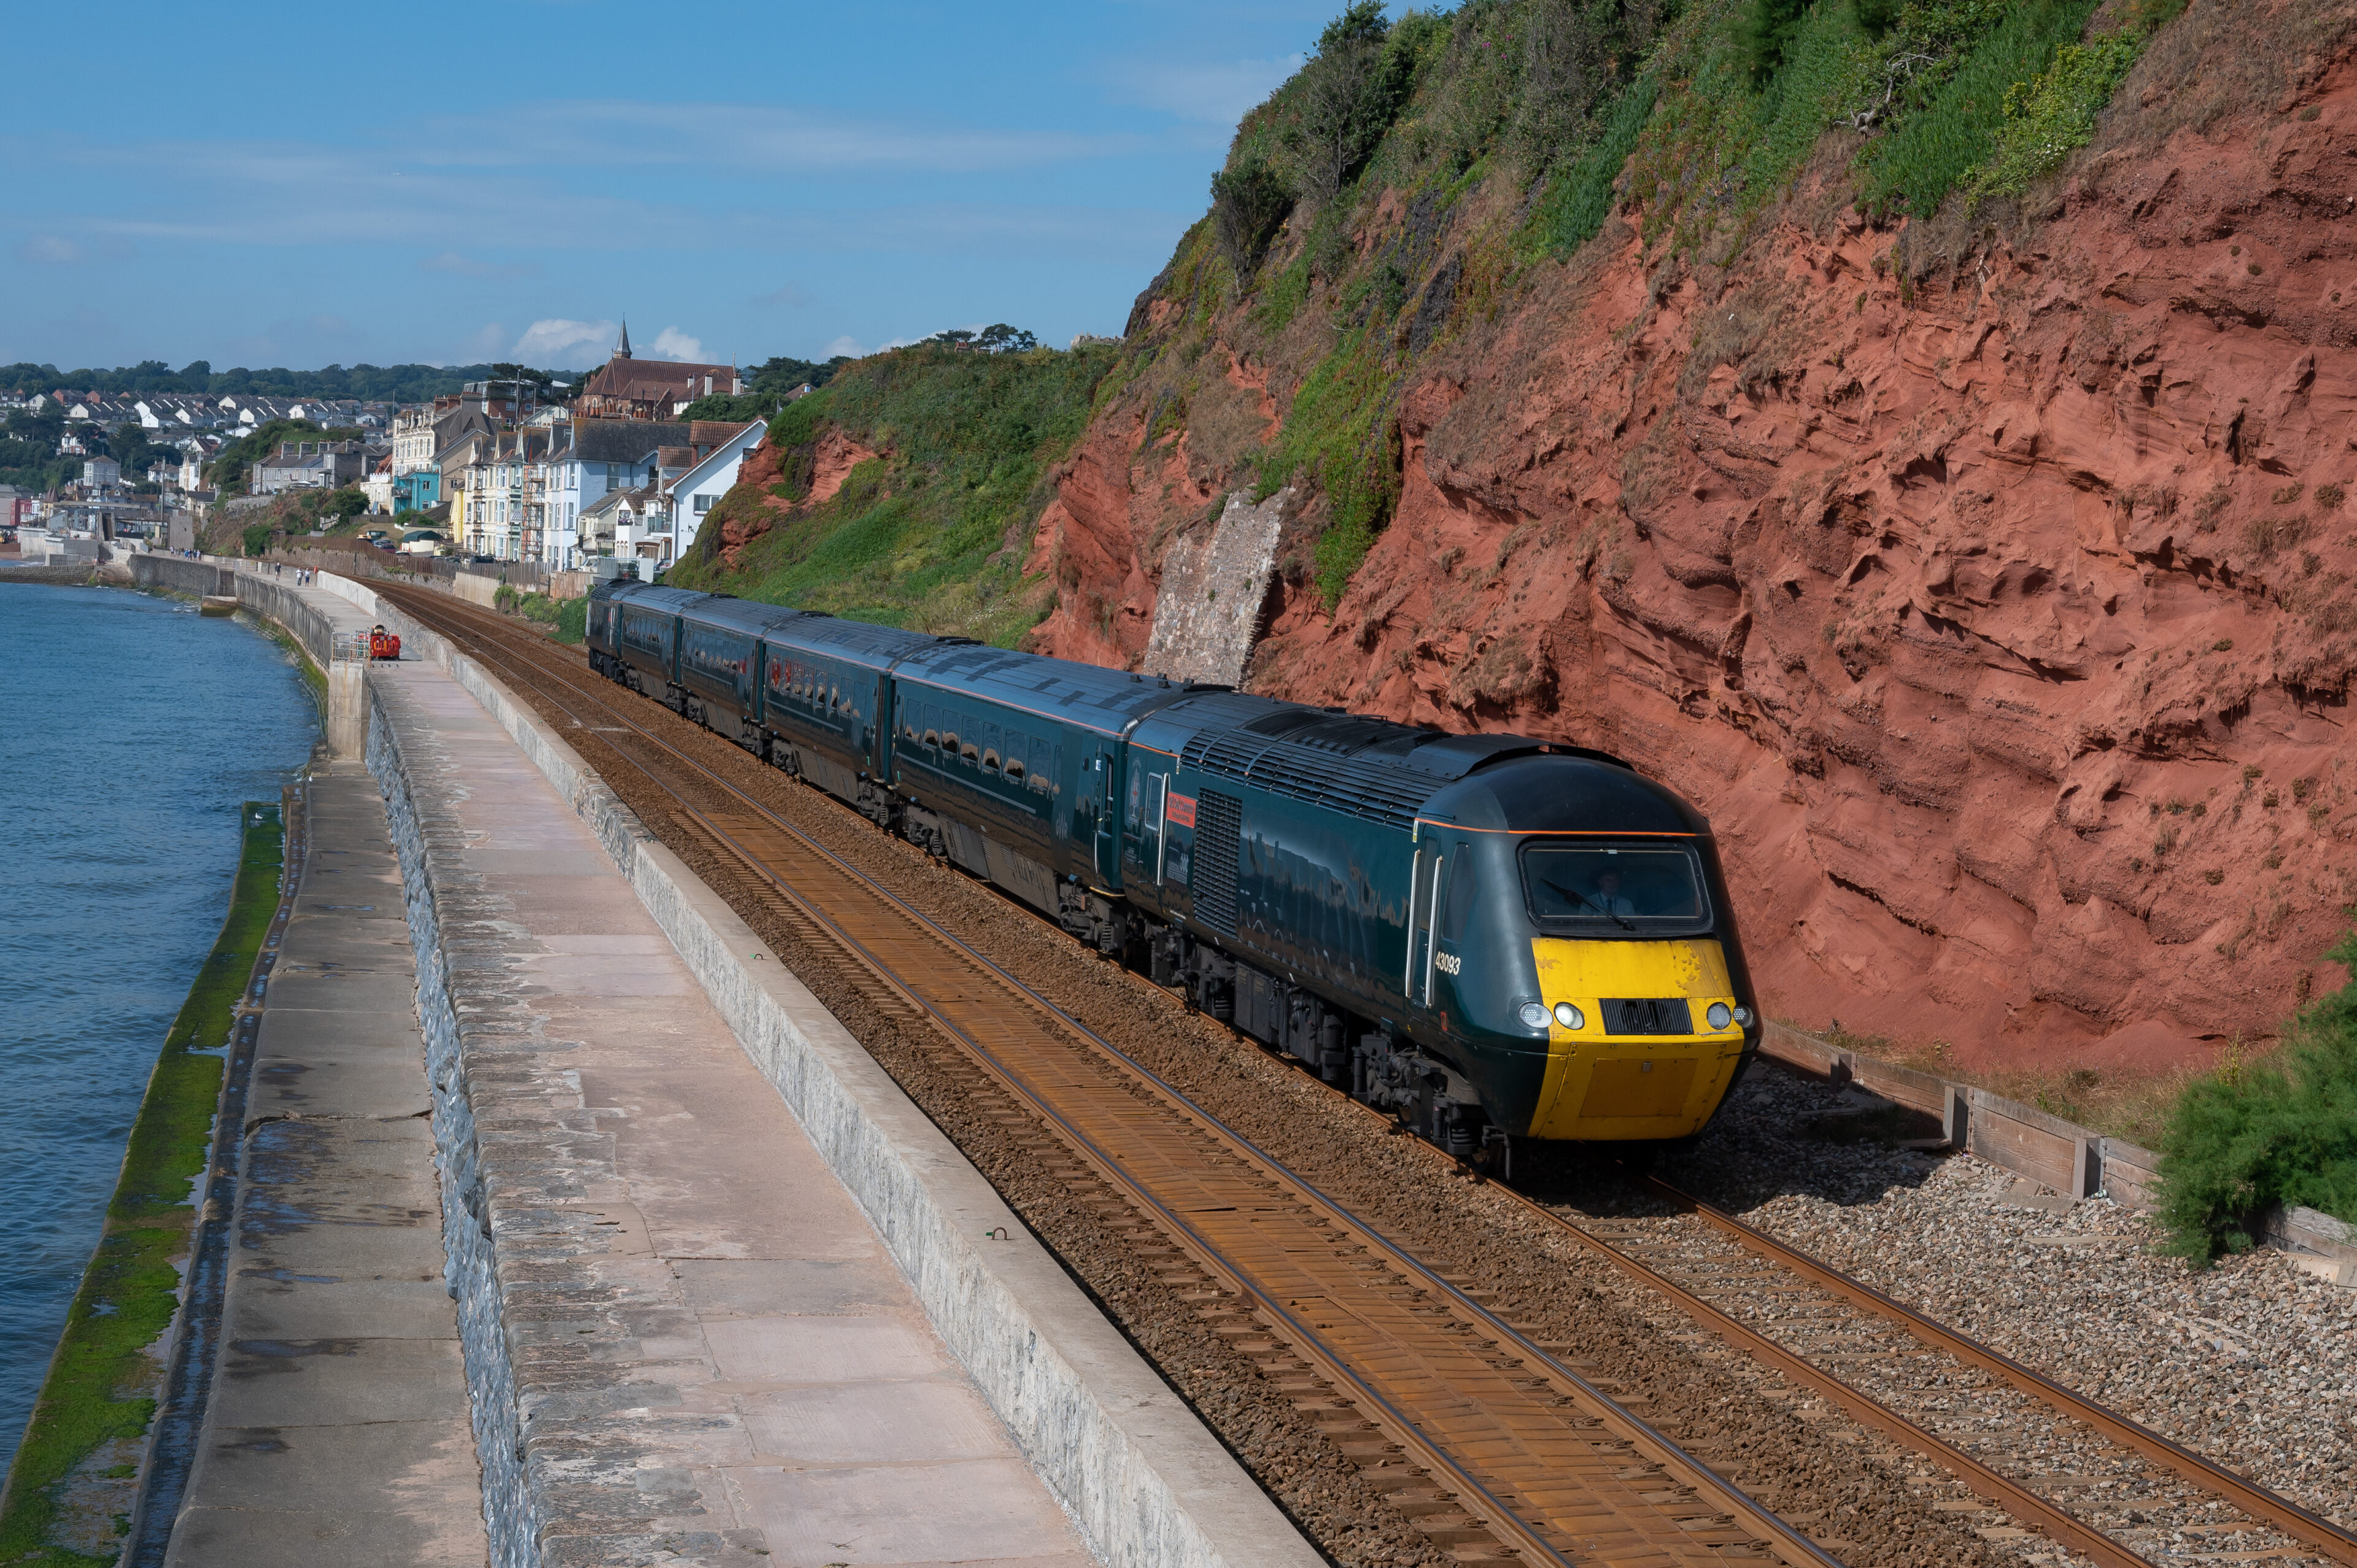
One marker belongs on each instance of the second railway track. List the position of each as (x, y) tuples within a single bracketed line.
[(1460, 1414)]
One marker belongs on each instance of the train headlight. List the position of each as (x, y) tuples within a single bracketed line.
[(1569, 1017), (1534, 1016), (1743, 1016), (1720, 1015)]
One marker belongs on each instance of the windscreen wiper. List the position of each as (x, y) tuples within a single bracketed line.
[(1583, 899)]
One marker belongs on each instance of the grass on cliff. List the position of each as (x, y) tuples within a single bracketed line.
[(129, 1292), (2253, 1137), (930, 533)]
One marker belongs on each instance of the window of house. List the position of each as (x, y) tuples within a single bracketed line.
[(703, 505)]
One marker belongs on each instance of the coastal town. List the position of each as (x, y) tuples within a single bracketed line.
[(537, 473)]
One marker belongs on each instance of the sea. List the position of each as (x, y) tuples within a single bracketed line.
[(131, 730)]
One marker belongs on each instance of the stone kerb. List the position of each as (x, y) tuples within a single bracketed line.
[(1147, 1484)]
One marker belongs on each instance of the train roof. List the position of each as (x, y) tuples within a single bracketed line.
[(1369, 767), (859, 641), (651, 597), (1582, 793), (749, 617), (1060, 689)]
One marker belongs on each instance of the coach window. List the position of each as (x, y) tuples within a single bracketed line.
[(1043, 767), (990, 744)]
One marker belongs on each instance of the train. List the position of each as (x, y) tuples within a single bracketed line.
[(1489, 937)]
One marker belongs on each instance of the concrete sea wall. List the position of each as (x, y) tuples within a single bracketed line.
[(1144, 1480)]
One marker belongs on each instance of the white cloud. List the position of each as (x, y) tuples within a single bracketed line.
[(1219, 93), (52, 249), (789, 295), (846, 345), (559, 344), (673, 344)]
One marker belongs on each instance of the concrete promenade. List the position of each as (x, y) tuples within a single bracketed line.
[(337, 1428), (714, 1355), (709, 1288)]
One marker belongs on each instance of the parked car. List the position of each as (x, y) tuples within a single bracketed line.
[(420, 542)]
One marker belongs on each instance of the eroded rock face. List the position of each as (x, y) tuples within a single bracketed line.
[(2002, 623), (753, 506)]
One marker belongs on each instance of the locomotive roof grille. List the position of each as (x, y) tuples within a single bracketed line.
[(1375, 793)]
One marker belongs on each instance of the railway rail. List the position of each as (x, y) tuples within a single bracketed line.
[(1487, 1437)]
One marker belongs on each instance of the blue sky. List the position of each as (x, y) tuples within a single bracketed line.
[(506, 179)]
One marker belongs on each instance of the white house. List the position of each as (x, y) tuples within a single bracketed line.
[(697, 490), (588, 459)]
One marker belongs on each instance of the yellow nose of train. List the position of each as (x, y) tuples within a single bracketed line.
[(1642, 1039)]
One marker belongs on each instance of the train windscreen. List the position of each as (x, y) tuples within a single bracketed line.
[(1599, 889)]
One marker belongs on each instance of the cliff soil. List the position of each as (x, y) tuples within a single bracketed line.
[(1983, 568)]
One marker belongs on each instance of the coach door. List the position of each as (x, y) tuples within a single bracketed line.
[(1427, 885), (1097, 783)]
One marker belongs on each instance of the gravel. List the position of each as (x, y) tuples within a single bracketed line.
[(2251, 1362)]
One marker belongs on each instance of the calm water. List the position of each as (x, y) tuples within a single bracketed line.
[(130, 730)]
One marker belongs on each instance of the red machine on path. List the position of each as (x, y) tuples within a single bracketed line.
[(384, 644)]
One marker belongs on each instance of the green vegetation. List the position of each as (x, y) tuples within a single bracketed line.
[(1344, 437), (2255, 1136), (2048, 120), (1952, 112), (95, 1394), (227, 471), (570, 617), (386, 384), (29, 458), (765, 390), (932, 533)]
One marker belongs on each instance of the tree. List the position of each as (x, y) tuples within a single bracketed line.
[(955, 338), (998, 337), (128, 445), (1249, 205), (1766, 31), (1351, 93), (782, 375)]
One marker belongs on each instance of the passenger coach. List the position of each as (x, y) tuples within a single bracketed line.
[(1487, 935)]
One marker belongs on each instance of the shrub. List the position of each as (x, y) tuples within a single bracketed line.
[(1350, 95), (1341, 437), (1933, 147), (257, 538), (2248, 1138), (2048, 119), (1249, 204), (1766, 32), (1580, 198)]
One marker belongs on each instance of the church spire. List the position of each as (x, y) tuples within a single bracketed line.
[(622, 348)]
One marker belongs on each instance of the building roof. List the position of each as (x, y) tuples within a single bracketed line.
[(622, 440)]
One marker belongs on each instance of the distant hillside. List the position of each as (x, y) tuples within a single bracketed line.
[(907, 490), (372, 384)]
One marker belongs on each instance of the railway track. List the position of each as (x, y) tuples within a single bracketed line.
[(1483, 1434)]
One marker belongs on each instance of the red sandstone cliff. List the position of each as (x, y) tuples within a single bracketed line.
[(2001, 619)]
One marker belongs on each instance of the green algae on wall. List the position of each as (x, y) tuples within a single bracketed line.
[(74, 1476)]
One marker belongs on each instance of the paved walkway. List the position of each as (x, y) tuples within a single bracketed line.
[(715, 1355), (337, 1429)]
